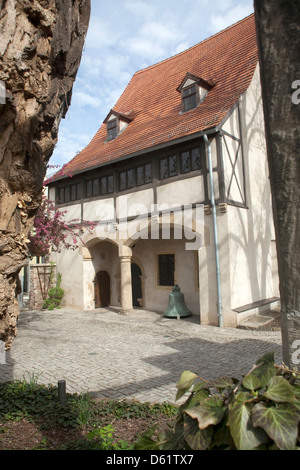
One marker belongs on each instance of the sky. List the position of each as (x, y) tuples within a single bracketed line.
[(125, 36)]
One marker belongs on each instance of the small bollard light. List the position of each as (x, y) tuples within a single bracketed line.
[(62, 392)]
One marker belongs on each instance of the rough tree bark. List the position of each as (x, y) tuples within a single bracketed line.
[(41, 43), (278, 32)]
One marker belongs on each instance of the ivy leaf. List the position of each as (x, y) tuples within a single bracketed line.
[(223, 382), (280, 390), (244, 435), (196, 438), (243, 397), (280, 423), (195, 399), (265, 369), (186, 380), (268, 358), (209, 412), (251, 382)]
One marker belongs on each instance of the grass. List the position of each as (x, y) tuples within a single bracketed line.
[(31, 417)]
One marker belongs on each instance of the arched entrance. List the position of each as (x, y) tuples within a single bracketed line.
[(102, 289), (136, 282)]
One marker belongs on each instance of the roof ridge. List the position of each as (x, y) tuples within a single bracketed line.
[(195, 45)]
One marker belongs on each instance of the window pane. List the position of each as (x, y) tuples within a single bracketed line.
[(67, 194), (78, 191), (140, 175), (111, 129), (190, 102), (164, 168), (96, 187), (61, 196), (89, 188), (173, 165), (166, 270), (130, 178), (196, 159), (73, 192), (110, 184), (189, 91), (103, 185), (148, 173), (123, 180), (185, 162)]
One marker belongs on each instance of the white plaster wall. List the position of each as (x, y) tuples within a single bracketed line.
[(135, 203), (157, 298), (232, 190), (102, 209), (51, 194), (251, 230), (72, 212), (178, 193), (69, 264)]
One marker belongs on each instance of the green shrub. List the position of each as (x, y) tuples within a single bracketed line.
[(55, 295), (261, 411)]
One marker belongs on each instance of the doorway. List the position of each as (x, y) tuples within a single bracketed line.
[(136, 282), (102, 289)]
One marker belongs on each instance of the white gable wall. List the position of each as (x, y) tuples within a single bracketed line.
[(251, 230)]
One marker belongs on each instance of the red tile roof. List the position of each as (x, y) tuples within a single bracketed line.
[(151, 99)]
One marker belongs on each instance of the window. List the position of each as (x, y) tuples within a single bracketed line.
[(135, 177), (168, 167), (189, 98), (144, 174), (112, 129), (166, 270), (190, 160), (61, 195), (107, 184), (75, 192), (69, 193), (126, 179), (92, 187)]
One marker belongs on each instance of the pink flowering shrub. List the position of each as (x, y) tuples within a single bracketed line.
[(51, 231)]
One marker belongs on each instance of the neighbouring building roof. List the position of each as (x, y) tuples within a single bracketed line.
[(151, 102)]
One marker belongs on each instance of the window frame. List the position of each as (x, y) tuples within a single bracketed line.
[(168, 159), (186, 99), (134, 170), (112, 129), (157, 257)]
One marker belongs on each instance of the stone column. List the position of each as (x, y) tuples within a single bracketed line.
[(126, 287)]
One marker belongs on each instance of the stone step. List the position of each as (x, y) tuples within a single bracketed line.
[(261, 321)]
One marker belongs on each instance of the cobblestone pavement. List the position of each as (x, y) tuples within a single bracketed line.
[(140, 356)]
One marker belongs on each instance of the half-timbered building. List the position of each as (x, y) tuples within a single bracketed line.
[(177, 180)]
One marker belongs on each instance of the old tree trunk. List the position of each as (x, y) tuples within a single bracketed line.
[(41, 43), (278, 31)]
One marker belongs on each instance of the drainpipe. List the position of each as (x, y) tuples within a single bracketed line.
[(216, 240)]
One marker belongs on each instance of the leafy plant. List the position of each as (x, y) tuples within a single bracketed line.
[(55, 294), (98, 439), (261, 411)]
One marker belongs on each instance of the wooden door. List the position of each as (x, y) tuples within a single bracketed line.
[(136, 284), (102, 289)]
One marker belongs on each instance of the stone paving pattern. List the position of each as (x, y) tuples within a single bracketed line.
[(140, 356)]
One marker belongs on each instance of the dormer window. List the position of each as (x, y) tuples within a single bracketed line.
[(193, 91), (115, 124), (189, 98), (112, 129)]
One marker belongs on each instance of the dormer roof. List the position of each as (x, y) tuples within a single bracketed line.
[(123, 117), (189, 77)]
